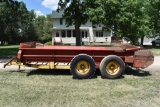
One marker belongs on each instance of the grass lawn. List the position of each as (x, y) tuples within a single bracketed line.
[(47, 88), (154, 49), (8, 51)]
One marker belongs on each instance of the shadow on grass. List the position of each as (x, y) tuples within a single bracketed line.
[(57, 72), (136, 72), (48, 72), (128, 71)]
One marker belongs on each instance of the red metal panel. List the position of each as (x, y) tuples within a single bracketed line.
[(66, 53), (129, 59), (143, 59)]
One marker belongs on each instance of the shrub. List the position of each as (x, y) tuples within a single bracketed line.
[(48, 43)]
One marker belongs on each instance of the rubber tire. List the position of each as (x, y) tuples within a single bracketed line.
[(78, 58), (108, 59)]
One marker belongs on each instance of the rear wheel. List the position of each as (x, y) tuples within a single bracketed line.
[(112, 67), (82, 66)]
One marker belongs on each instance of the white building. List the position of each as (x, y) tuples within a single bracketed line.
[(89, 32)]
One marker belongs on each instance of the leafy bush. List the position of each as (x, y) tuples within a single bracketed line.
[(48, 43)]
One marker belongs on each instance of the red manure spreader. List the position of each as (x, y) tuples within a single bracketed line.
[(82, 60)]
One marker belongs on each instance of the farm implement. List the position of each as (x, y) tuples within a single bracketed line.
[(82, 60)]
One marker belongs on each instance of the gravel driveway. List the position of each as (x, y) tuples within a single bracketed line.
[(154, 67)]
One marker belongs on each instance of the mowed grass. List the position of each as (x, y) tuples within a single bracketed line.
[(8, 51), (154, 49), (48, 88)]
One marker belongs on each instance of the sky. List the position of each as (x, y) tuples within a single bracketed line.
[(41, 7)]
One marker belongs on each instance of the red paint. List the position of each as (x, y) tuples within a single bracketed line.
[(29, 52)]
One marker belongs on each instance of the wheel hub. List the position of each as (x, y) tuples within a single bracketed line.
[(82, 67), (112, 68)]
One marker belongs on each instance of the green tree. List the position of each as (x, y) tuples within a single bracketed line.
[(39, 22), (23, 21), (154, 13), (17, 24), (47, 36), (74, 14), (126, 18), (31, 27), (8, 20), (43, 28)]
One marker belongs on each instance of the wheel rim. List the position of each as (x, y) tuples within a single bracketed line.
[(112, 68), (82, 67)]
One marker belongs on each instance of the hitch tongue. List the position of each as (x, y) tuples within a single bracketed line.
[(13, 61)]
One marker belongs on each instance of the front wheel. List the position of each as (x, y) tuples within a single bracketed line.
[(112, 67), (82, 66)]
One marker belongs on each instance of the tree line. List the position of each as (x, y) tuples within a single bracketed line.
[(128, 19), (17, 24)]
